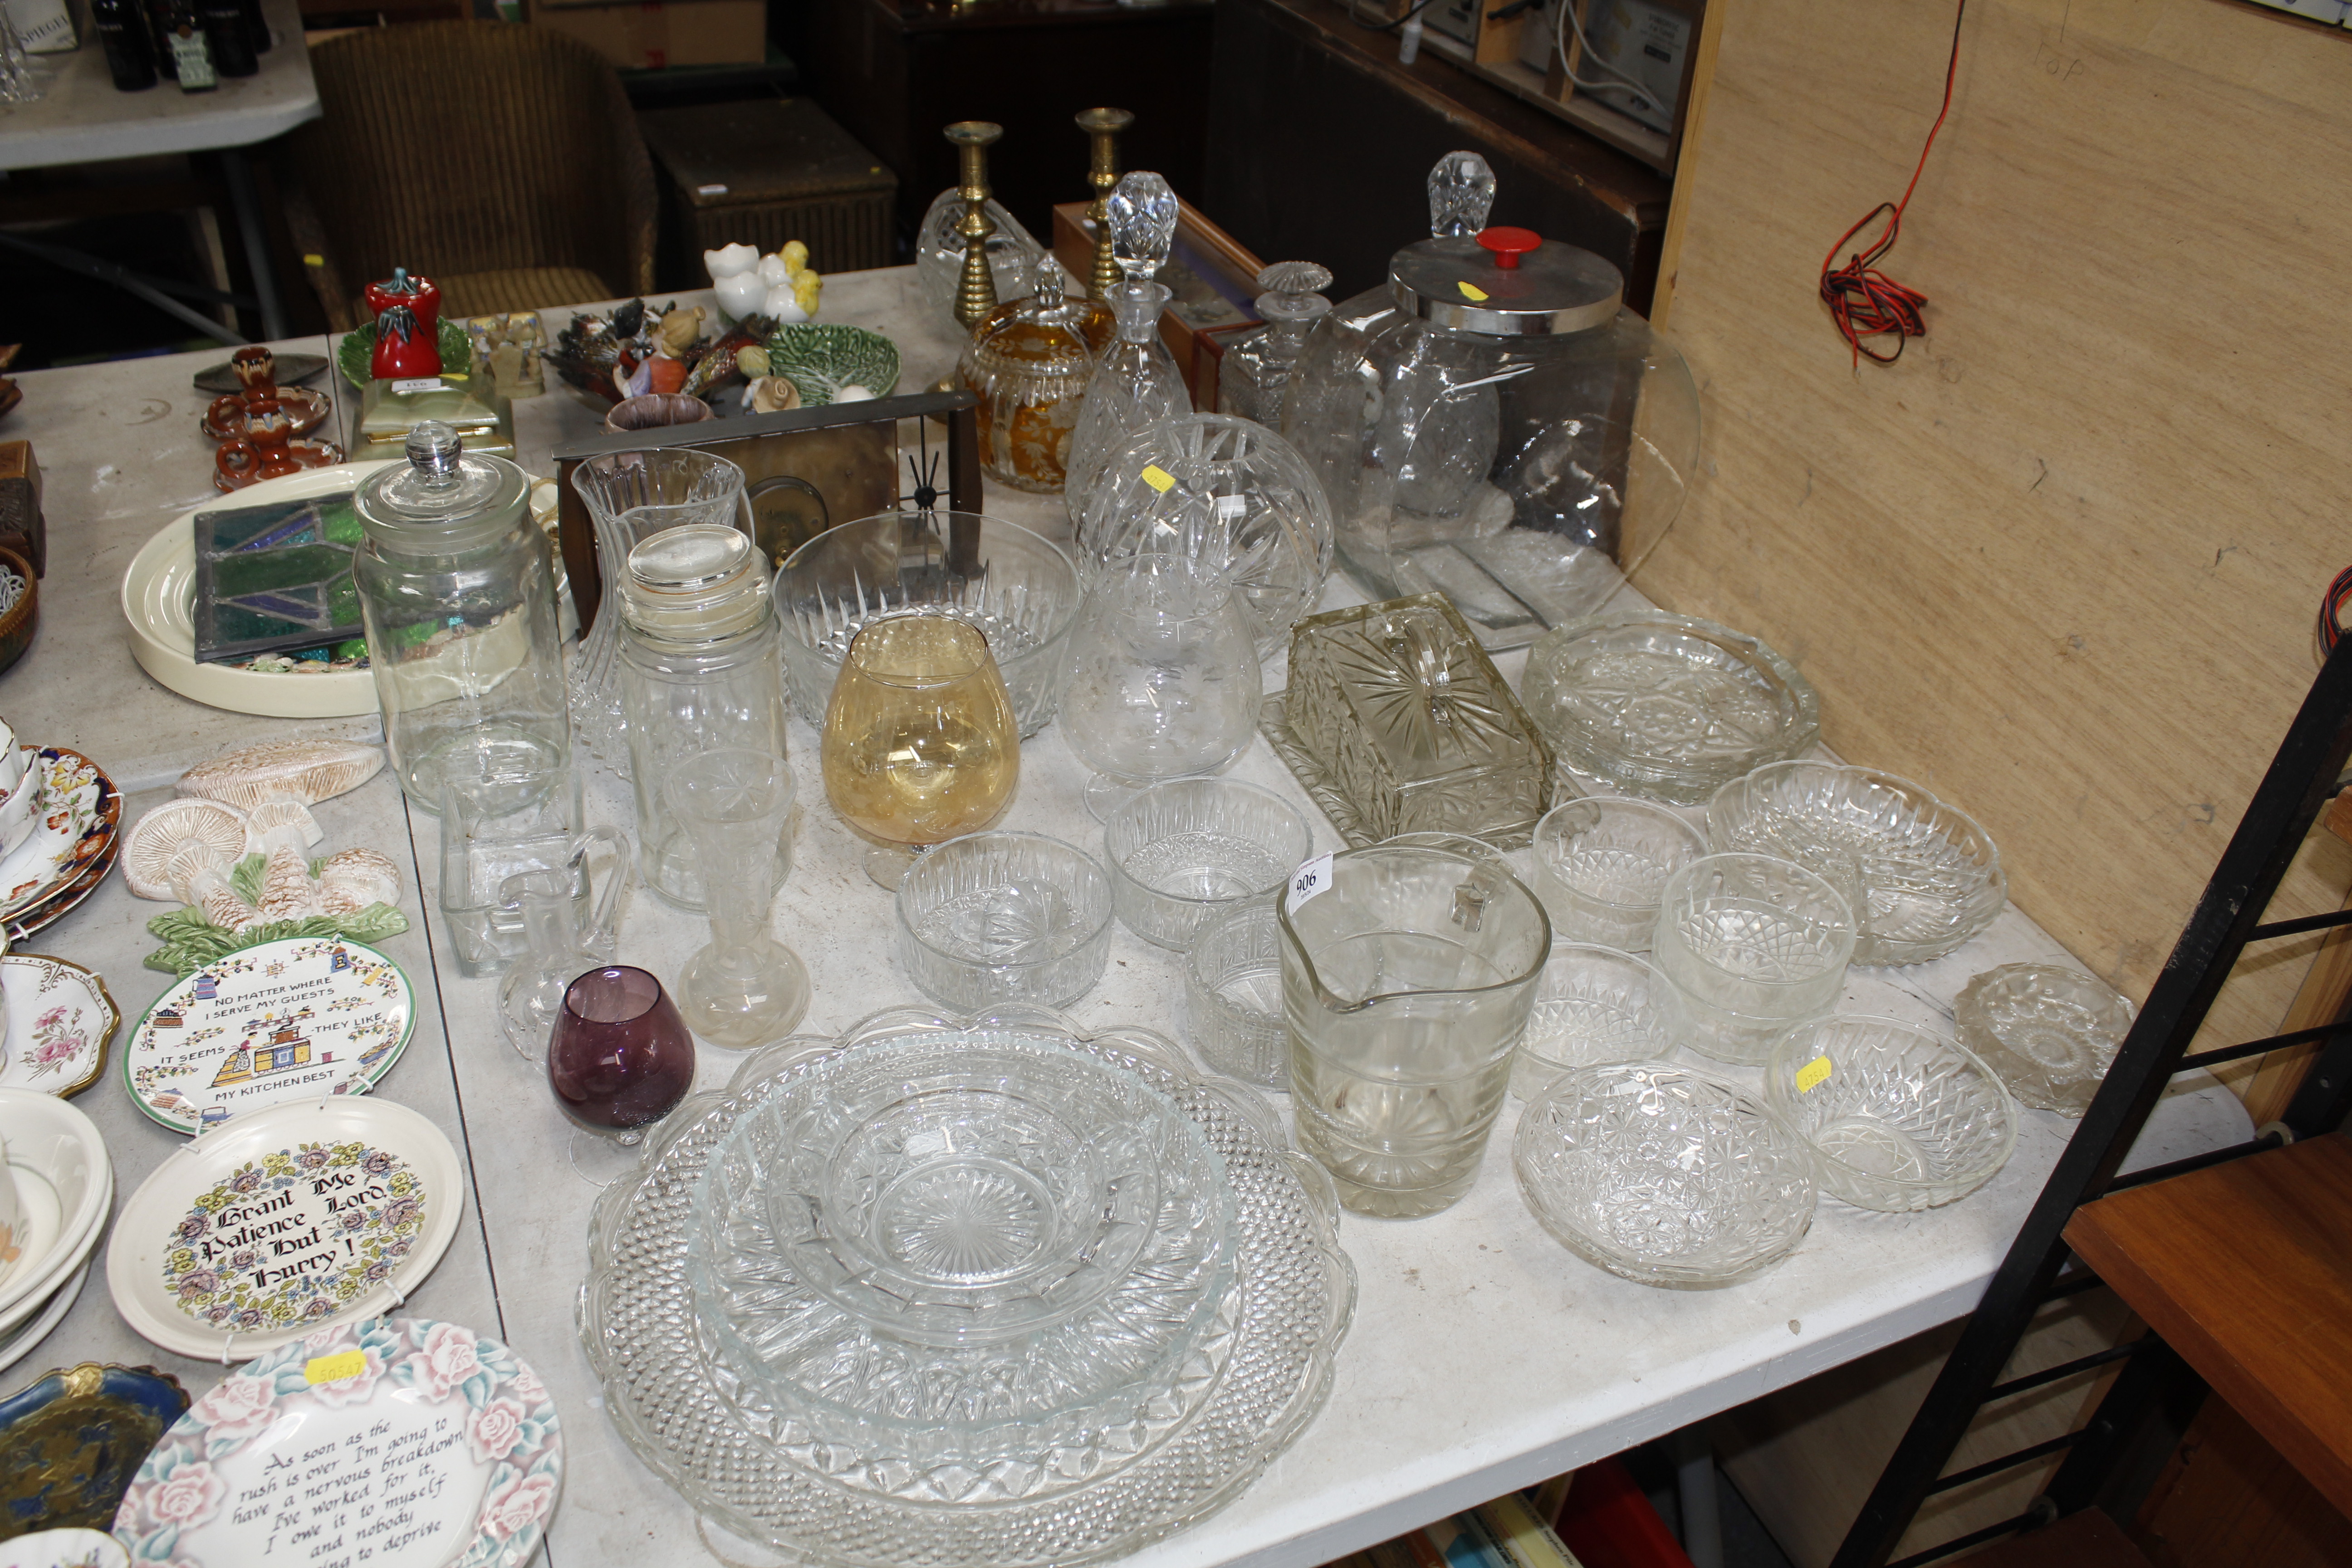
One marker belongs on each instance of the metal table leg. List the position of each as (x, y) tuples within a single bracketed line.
[(239, 174)]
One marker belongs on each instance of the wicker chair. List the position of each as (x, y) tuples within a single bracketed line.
[(501, 161)]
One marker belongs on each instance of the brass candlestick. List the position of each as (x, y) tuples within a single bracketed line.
[(976, 291), (1103, 125)]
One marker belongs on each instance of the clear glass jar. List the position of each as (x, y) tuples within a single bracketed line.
[(701, 669), (458, 594)]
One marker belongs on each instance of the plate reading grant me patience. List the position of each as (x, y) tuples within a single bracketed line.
[(285, 1021)]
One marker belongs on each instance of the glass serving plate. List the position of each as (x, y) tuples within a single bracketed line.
[(1897, 1118), (2049, 1031), (1666, 707), (668, 1395), (1923, 878), (1663, 1175)]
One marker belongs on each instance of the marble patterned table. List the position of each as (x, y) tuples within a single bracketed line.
[(1483, 1355)]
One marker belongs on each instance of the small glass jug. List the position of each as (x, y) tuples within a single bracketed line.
[(1408, 973), (502, 824)]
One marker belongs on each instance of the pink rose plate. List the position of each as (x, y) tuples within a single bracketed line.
[(399, 1441)]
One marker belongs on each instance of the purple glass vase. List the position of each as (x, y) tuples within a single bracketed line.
[(621, 1057)]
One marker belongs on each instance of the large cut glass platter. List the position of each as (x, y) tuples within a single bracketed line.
[(1218, 1369)]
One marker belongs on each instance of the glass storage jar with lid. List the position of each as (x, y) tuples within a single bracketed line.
[(457, 595), (1494, 422), (701, 669)]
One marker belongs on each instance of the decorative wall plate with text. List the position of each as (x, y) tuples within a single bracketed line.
[(285, 1021)]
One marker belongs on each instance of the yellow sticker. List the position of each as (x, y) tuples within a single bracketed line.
[(1471, 291), (334, 1368), (1809, 1076), (1158, 477)]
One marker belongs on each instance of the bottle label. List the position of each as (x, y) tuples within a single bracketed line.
[(191, 61)]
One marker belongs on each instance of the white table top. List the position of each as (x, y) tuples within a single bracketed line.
[(82, 119), (1483, 1355)]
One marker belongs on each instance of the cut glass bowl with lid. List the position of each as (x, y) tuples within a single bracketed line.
[(2049, 1031), (1665, 707), (1663, 1175), (1923, 877), (1897, 1117)]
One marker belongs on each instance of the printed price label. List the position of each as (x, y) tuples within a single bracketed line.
[(1307, 882), (710, 189), (1158, 477), (420, 384), (1471, 291), (334, 1368), (1811, 1076), (1231, 509)]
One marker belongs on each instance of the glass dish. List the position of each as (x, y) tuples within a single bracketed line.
[(1018, 589), (1593, 1005), (1182, 853), (1232, 996), (1897, 1118), (1396, 721), (1663, 1175), (1753, 940), (1600, 863), (670, 1401), (1923, 877), (1666, 707), (2048, 1031), (1005, 917)]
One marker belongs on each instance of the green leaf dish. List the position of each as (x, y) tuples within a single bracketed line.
[(821, 358), (191, 942), (357, 349)]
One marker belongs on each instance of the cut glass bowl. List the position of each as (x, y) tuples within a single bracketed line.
[(1923, 877), (1184, 852), (993, 917), (1663, 1175), (2050, 1032), (1665, 707), (1897, 1118), (1600, 863), (1018, 589), (1232, 996), (1746, 941), (754, 1472), (1593, 1005)]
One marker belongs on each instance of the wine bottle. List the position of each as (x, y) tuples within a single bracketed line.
[(256, 27), (224, 24), (124, 32), (192, 58)]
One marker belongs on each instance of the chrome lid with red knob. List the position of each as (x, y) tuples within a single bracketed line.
[(1505, 282)]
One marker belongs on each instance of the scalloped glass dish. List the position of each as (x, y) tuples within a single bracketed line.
[(754, 1471), (1923, 877), (1665, 707), (1663, 1175), (1897, 1118), (2049, 1031)]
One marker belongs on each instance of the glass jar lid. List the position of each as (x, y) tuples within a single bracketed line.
[(1507, 282), (699, 582), (444, 501)]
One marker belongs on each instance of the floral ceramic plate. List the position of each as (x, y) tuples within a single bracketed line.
[(289, 1020), (60, 1020), (282, 1223), (80, 811), (64, 1548), (70, 1443), (435, 1446), (57, 905)]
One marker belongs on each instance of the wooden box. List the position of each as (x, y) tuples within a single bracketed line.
[(764, 171)]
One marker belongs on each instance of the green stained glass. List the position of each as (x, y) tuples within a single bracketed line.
[(276, 578)]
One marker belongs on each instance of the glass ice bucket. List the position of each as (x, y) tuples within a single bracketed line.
[(1408, 973)]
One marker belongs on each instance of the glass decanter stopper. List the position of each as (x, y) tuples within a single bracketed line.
[(1256, 369), (1102, 127), (1028, 364), (531, 998), (1461, 191), (1135, 382), (746, 987)]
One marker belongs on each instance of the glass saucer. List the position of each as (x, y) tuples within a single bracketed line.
[(667, 1392)]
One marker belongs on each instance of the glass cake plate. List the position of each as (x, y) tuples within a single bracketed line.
[(752, 1469)]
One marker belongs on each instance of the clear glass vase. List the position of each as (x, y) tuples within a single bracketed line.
[(735, 805)]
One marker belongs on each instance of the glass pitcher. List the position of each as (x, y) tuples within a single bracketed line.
[(498, 825), (1408, 973)]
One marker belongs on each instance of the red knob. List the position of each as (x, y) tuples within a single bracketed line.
[(1510, 244)]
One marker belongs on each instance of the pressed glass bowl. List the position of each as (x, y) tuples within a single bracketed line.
[(1753, 934), (1897, 1118), (1005, 917), (1232, 996), (1923, 877), (1665, 706), (1600, 863), (1593, 1005), (2048, 1031), (754, 1471), (1018, 589), (1182, 853), (1719, 1034), (1663, 1175)]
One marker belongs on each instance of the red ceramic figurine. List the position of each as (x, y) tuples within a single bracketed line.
[(407, 327)]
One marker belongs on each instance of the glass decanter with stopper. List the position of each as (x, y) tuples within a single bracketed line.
[(1028, 364), (1254, 377), (1135, 382)]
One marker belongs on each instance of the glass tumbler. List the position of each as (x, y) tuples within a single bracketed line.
[(919, 745), (1407, 978), (1751, 946), (1232, 995), (1164, 680), (735, 805)]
